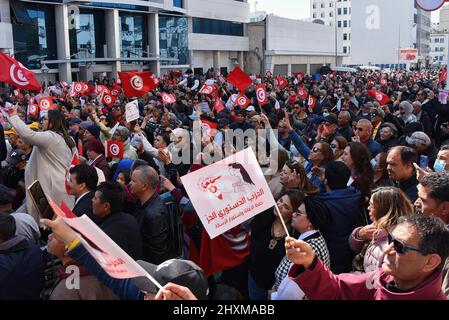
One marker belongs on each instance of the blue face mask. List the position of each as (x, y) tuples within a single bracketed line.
[(373, 163), (439, 166)]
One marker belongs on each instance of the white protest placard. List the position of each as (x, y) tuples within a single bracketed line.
[(113, 259), (229, 192), (132, 111)]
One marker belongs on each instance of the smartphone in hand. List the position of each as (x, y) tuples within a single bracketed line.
[(424, 162)]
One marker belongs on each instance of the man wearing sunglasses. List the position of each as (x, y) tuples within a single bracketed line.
[(418, 247), (433, 199), (364, 132)]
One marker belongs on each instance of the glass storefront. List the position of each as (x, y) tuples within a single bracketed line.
[(133, 35), (34, 33), (87, 38), (173, 39)]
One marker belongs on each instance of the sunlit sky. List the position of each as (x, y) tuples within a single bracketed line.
[(294, 9)]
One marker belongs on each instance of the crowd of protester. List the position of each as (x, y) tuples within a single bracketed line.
[(363, 187)]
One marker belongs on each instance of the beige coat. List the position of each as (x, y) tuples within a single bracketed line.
[(48, 163)]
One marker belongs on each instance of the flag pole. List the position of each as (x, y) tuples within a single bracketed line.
[(282, 220), (154, 281)]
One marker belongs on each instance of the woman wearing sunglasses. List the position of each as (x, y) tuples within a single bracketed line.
[(293, 176), (386, 205), (318, 157), (338, 146)]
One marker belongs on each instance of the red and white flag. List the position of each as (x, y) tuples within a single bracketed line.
[(268, 74), (107, 98), (167, 98), (218, 104), (45, 104), (242, 101), (136, 84), (261, 94), (299, 75), (239, 79), (208, 89), (443, 75), (14, 73), (209, 128), (77, 88), (311, 103), (281, 82), (114, 149), (75, 161), (302, 94), (381, 97), (32, 111)]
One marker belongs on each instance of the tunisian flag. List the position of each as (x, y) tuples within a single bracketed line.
[(224, 252), (45, 104), (14, 73), (136, 84), (239, 79), (32, 111), (114, 149), (302, 93), (443, 75), (218, 104), (381, 97), (281, 82), (167, 98), (242, 101), (261, 94), (208, 89)]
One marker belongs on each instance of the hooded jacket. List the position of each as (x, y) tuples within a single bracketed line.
[(344, 209)]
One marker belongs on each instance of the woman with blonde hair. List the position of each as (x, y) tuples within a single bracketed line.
[(386, 205)]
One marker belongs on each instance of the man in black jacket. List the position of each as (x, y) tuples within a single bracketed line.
[(83, 183), (107, 206), (151, 216), (400, 168)]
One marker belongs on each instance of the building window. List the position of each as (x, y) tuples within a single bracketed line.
[(322, 5), (345, 49), (219, 27), (331, 14), (133, 35), (345, 10), (173, 39), (339, 11), (178, 3), (314, 15), (322, 15), (34, 33), (345, 36), (345, 23), (339, 24)]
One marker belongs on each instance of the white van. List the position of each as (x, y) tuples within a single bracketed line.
[(344, 69), (372, 68)]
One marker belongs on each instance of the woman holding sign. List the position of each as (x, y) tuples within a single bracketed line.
[(50, 158), (267, 244)]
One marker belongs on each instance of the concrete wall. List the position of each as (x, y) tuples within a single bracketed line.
[(287, 36), (205, 60), (6, 40), (255, 57), (219, 9), (215, 42)]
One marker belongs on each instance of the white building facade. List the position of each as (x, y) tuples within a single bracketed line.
[(82, 40), (399, 20), (284, 46), (439, 43)]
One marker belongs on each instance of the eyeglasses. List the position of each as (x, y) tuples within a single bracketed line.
[(315, 150), (401, 248), (298, 214), (359, 129)]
